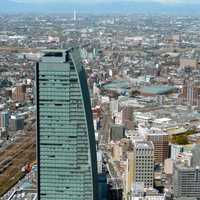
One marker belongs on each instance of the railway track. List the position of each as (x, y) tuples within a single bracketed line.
[(18, 50), (19, 154)]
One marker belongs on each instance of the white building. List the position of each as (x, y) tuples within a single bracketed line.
[(114, 106), (99, 161), (143, 163)]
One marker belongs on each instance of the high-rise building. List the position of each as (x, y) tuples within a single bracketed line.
[(66, 150), (139, 168), (19, 93), (4, 119), (127, 116), (176, 150), (117, 132), (161, 145), (186, 181), (186, 177), (196, 155), (99, 162), (16, 123), (143, 162), (190, 92)]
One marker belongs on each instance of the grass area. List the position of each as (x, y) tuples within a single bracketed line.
[(6, 186), (182, 139)]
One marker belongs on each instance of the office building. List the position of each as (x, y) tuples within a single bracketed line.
[(4, 119), (127, 117), (186, 177), (191, 92), (19, 93), (168, 167), (16, 123), (143, 162), (139, 168), (186, 181), (139, 193), (99, 161), (161, 146), (114, 107), (66, 150), (117, 132), (196, 155), (176, 150)]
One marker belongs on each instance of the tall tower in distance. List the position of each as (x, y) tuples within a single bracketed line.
[(66, 150), (75, 15)]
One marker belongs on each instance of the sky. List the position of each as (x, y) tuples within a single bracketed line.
[(99, 1), (101, 6)]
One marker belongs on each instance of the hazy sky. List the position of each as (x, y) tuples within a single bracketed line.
[(95, 1)]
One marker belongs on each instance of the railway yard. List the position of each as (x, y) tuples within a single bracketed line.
[(14, 158)]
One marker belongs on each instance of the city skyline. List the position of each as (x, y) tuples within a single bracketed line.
[(100, 100)]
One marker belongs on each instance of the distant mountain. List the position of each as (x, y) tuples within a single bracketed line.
[(8, 6)]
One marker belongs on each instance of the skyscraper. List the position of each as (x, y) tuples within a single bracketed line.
[(143, 163), (186, 181), (4, 119), (161, 145), (65, 135), (140, 167), (186, 176), (19, 93)]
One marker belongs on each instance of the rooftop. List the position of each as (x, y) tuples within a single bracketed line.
[(159, 90), (143, 144), (117, 85)]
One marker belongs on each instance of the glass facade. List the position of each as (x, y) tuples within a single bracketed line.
[(65, 135)]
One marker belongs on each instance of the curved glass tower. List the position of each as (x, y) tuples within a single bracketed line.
[(66, 149)]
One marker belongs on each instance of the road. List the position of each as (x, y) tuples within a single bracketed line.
[(104, 146)]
